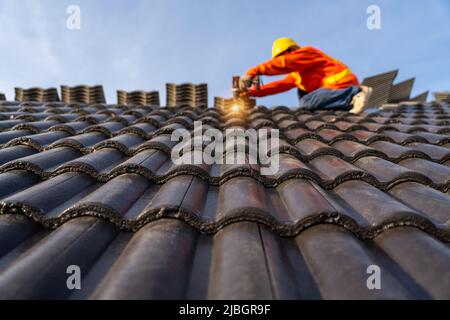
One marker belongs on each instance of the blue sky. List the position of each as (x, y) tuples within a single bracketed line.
[(142, 44)]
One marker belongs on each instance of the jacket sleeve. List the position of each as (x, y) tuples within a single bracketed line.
[(295, 61), (274, 87)]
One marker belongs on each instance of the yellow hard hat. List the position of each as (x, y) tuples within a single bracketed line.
[(281, 45)]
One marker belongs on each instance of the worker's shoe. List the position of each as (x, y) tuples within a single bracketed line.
[(361, 100)]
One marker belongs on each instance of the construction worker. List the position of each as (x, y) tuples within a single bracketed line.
[(323, 82)]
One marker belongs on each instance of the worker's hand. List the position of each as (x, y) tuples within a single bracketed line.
[(244, 94), (245, 82)]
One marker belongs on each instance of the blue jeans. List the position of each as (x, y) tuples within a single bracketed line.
[(328, 99)]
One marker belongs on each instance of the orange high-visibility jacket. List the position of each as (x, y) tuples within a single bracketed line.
[(308, 69)]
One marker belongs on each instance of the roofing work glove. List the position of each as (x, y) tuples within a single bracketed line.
[(245, 82)]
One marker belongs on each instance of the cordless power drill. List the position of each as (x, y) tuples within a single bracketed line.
[(237, 92)]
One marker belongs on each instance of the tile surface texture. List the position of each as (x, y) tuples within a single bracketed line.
[(94, 186)]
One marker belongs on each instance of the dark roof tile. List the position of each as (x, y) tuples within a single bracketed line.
[(396, 152), (51, 255), (331, 168), (424, 259), (16, 152), (437, 153), (338, 264), (375, 206), (385, 171), (433, 203), (439, 174)]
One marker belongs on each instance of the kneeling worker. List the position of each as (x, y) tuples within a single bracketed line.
[(323, 83)]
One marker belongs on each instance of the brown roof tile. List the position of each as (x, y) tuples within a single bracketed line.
[(138, 97), (36, 94)]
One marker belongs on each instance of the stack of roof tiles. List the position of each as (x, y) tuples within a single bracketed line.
[(36, 94), (401, 91), (442, 96), (421, 97), (381, 85), (187, 94), (385, 91), (94, 186), (83, 94), (138, 97)]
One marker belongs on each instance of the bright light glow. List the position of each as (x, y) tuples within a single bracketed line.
[(235, 108)]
